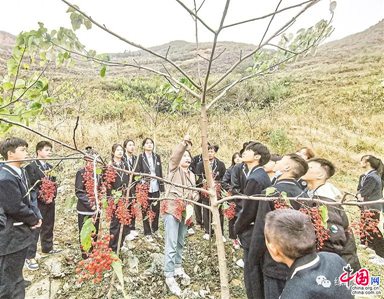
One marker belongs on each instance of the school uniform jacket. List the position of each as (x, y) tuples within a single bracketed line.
[(121, 179), (313, 276), (257, 181), (36, 171), (83, 204), (20, 213), (258, 253), (371, 188), (218, 171), (143, 167)]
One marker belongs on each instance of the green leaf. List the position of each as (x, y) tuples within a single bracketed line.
[(118, 269), (102, 71), (76, 20), (87, 24), (137, 177), (99, 170), (86, 234), (7, 86), (270, 190), (323, 210)]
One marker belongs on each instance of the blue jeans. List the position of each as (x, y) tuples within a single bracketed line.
[(175, 232)]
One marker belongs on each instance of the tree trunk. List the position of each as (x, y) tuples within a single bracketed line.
[(215, 210)]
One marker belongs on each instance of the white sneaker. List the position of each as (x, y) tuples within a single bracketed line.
[(240, 263), (186, 280), (377, 261), (191, 231), (236, 244), (206, 237), (130, 237), (173, 286), (224, 239), (134, 233)]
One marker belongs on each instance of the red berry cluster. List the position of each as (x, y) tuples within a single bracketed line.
[(110, 209), (151, 215), (89, 183), (218, 190), (142, 190), (47, 190), (109, 177), (230, 211), (99, 261), (280, 204), (122, 212), (322, 234), (367, 227)]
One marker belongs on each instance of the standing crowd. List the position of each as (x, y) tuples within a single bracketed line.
[(282, 254)]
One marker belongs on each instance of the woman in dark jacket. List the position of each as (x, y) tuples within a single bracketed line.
[(370, 188), (149, 162), (117, 191)]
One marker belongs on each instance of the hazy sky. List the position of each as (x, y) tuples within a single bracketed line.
[(154, 22)]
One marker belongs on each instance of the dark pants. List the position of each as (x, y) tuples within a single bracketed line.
[(114, 230), (231, 228), (207, 219), (45, 231), (273, 287), (154, 205), (80, 223), (377, 241), (198, 213), (11, 275), (132, 201), (253, 274)]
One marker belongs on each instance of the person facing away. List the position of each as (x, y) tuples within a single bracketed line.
[(274, 274), (174, 211), (21, 217), (256, 155), (291, 240), (341, 239), (38, 171), (370, 188)]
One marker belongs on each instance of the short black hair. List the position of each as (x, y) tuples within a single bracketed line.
[(292, 231), (145, 140), (11, 144), (260, 149), (301, 166), (40, 145), (327, 165), (214, 147), (275, 157)]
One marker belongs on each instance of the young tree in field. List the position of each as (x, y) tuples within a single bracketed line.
[(273, 49)]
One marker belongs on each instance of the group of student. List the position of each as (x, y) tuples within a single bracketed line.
[(280, 255)]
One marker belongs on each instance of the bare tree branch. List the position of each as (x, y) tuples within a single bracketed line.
[(267, 15), (41, 134), (196, 16), (230, 70), (17, 72), (301, 199), (103, 27), (24, 92), (74, 131)]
